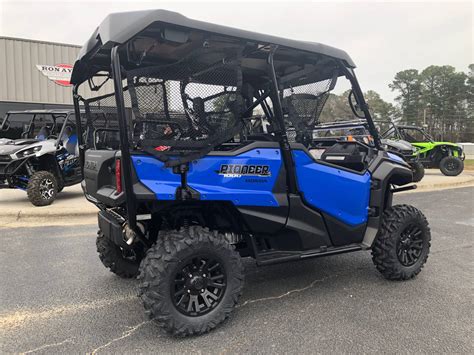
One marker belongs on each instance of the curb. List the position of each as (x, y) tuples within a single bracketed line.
[(53, 214), (444, 186), (46, 220)]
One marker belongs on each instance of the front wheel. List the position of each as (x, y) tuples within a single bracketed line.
[(42, 188), (451, 166), (191, 280), (402, 245)]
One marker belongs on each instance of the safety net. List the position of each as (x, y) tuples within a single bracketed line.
[(185, 109), (303, 106)]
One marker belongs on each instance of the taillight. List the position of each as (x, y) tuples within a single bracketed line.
[(118, 176)]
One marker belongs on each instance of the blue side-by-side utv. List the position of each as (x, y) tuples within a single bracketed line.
[(189, 190)]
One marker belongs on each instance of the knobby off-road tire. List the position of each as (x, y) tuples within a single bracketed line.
[(42, 188), (418, 171), (114, 259), (403, 243), (451, 166), (177, 277)]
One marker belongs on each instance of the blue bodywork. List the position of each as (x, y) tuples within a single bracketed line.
[(341, 194), (204, 177)]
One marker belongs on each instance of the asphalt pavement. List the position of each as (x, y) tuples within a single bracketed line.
[(56, 297)]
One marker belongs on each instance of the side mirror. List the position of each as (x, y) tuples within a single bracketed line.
[(355, 105)]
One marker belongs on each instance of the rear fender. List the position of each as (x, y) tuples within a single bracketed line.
[(99, 182), (99, 177), (450, 149)]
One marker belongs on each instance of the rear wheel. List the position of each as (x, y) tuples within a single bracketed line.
[(42, 188), (191, 280), (418, 171), (121, 262), (402, 245), (451, 166)]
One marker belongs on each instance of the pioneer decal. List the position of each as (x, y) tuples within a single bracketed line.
[(238, 170), (59, 73)]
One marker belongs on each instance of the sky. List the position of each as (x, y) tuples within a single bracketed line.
[(381, 37)]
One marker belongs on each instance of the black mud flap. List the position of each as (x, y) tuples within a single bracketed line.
[(111, 227)]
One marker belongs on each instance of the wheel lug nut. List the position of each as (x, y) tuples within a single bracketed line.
[(189, 291), (190, 275), (202, 291), (204, 275)]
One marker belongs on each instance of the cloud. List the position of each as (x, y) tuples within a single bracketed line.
[(381, 37)]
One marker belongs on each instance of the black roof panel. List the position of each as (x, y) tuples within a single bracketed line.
[(118, 28)]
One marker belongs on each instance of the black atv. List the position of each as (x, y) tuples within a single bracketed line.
[(328, 133), (191, 190), (38, 153), (446, 156)]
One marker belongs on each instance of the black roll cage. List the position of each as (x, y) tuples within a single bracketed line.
[(397, 128), (276, 113), (54, 115)]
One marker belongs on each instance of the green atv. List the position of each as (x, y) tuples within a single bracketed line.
[(445, 156)]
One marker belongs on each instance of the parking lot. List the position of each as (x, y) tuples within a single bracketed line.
[(58, 298)]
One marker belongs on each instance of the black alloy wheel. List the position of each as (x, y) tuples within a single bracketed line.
[(410, 245), (199, 285)]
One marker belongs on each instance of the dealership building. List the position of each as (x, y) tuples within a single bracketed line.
[(35, 74)]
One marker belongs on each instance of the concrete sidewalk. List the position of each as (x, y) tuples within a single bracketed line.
[(71, 207)]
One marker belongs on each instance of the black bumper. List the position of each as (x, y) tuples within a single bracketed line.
[(10, 168)]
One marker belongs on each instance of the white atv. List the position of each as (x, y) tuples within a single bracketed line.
[(38, 153)]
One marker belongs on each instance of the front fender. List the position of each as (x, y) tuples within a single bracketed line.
[(385, 172)]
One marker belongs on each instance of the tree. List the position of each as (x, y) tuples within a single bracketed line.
[(441, 95), (407, 83), (444, 98), (336, 108), (379, 109), (468, 135)]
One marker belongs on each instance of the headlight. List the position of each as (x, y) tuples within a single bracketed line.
[(29, 151)]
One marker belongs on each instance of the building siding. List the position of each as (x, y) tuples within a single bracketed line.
[(21, 81)]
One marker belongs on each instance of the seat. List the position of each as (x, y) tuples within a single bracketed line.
[(71, 144), (43, 133), (346, 154)]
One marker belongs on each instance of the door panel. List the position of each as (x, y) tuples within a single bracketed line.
[(341, 194), (246, 179)]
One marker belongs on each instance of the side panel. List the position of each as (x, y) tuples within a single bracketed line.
[(246, 179), (339, 193)]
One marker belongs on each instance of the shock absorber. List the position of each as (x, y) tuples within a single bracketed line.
[(29, 168)]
